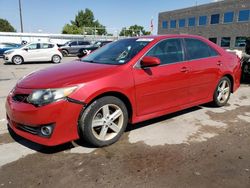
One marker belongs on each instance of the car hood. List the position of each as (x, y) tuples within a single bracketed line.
[(66, 74)]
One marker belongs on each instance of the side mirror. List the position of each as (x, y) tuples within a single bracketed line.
[(26, 49), (149, 61)]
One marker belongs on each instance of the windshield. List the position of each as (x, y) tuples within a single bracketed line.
[(119, 52)]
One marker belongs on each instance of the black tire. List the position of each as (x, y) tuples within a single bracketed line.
[(89, 132), (226, 92), (17, 60), (56, 59), (65, 53), (244, 72)]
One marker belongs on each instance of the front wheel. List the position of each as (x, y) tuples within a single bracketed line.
[(17, 60), (222, 92), (103, 121)]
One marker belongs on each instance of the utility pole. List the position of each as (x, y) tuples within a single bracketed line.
[(21, 19)]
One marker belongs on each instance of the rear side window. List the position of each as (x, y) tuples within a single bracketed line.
[(197, 49), (46, 45), (168, 51), (73, 43)]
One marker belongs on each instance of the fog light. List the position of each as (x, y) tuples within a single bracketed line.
[(46, 130)]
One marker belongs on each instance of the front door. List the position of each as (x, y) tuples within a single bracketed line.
[(165, 86)]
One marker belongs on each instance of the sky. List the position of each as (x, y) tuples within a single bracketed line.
[(49, 16)]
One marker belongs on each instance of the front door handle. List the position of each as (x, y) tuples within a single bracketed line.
[(184, 69)]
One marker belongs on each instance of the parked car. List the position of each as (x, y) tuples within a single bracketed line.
[(73, 47), (87, 50), (33, 52), (130, 80), (7, 46)]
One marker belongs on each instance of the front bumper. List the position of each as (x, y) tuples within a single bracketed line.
[(6, 58), (63, 115)]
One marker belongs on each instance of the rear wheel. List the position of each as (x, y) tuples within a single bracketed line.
[(104, 121), (222, 92), (17, 60), (65, 53), (56, 59)]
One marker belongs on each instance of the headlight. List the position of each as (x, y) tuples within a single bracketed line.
[(8, 52), (46, 96)]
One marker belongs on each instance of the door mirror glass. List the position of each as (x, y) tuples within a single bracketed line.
[(149, 61)]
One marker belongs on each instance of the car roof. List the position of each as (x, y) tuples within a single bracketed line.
[(159, 37)]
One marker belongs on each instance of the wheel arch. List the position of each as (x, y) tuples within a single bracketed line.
[(120, 96)]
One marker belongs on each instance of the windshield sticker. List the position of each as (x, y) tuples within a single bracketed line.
[(144, 40)]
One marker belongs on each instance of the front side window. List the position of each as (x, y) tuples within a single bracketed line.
[(119, 52), (228, 17), (164, 24), (182, 23), (215, 19), (225, 41), (33, 46), (197, 49), (203, 20), (83, 43), (240, 41), (168, 51), (244, 15), (173, 24), (191, 22)]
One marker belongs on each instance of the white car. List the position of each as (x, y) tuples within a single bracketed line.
[(33, 52)]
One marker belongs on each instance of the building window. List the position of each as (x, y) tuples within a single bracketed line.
[(203, 20), (182, 23), (240, 41), (225, 41), (228, 17), (164, 24), (215, 19), (214, 40), (173, 24), (244, 15), (191, 22)]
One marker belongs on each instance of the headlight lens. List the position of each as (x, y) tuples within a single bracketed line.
[(8, 52), (46, 96)]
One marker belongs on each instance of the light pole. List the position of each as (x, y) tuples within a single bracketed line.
[(21, 19)]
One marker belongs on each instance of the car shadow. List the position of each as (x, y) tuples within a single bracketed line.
[(67, 146), (29, 63), (132, 127)]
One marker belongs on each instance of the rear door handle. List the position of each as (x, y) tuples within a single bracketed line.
[(219, 63), (184, 69)]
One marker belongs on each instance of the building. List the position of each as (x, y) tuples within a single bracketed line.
[(226, 23)]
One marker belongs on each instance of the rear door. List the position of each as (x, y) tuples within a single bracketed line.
[(164, 86), (204, 64), (47, 51)]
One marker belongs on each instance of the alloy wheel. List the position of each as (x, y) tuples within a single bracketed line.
[(107, 122), (223, 91)]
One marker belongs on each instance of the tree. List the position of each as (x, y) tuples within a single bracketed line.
[(5, 26), (134, 30), (84, 23)]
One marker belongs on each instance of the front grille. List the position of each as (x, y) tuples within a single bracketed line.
[(20, 98)]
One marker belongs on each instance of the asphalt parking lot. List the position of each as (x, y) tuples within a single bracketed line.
[(198, 147)]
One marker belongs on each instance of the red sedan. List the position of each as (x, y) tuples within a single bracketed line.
[(130, 80)]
